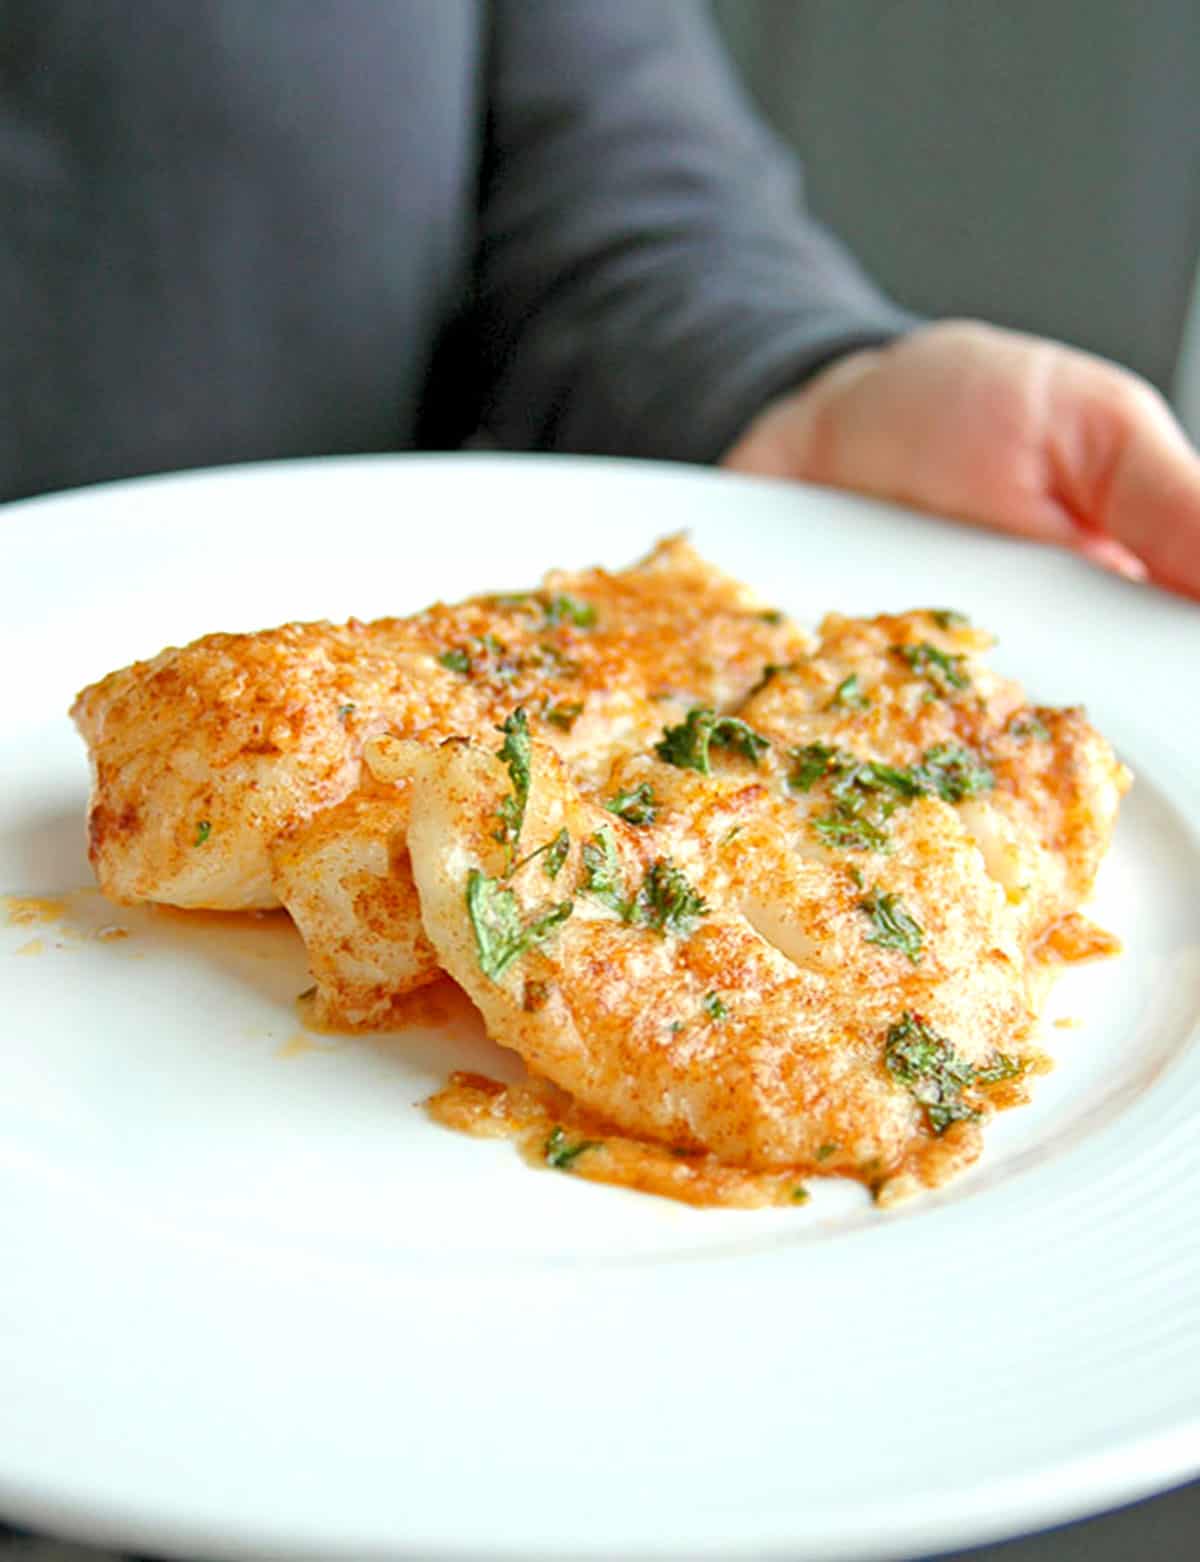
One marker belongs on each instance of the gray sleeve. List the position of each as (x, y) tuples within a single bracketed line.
[(647, 277)]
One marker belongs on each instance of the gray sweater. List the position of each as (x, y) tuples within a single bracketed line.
[(243, 229)]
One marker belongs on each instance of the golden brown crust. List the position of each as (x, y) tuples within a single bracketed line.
[(203, 755)]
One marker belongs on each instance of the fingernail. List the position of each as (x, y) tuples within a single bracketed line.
[(1113, 556)]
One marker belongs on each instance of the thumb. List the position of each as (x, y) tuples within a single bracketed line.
[(1129, 474)]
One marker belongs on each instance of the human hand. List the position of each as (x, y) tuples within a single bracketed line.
[(1009, 431)]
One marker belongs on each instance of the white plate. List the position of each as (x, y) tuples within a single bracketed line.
[(252, 1301)]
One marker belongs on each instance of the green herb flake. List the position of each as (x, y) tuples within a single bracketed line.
[(947, 618), (636, 806), (770, 670), (941, 670), (563, 714), (866, 792), (848, 695), (800, 1194), (687, 745), (1001, 1067), (810, 764), (548, 660), (564, 609), (952, 773), (346, 711), (456, 660), (517, 754), (203, 831), (556, 854), (667, 902), (849, 828), (825, 1151), (1029, 726), (929, 1068), (771, 616), (602, 873), (894, 927), (561, 1153), (715, 1009), (500, 935)]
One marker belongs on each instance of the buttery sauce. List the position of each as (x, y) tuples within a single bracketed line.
[(297, 1044), (68, 914), (1074, 938), (30, 910), (551, 1131), (194, 916)]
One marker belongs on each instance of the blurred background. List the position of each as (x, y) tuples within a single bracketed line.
[(1034, 163)]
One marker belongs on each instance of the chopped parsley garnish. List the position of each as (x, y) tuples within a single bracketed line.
[(770, 670), (346, 711), (556, 854), (894, 927), (517, 600), (560, 1151), (947, 618), (715, 1009), (563, 714), (1001, 1067), (811, 764), (846, 774), (865, 795), (848, 695), (952, 773), (602, 873), (564, 609), (849, 828), (800, 1194), (928, 1066), (667, 902), (549, 661), (558, 609), (867, 792), (490, 659), (203, 831), (517, 754), (635, 806), (941, 670), (687, 745), (772, 616), (1028, 726), (824, 1151), (500, 935)]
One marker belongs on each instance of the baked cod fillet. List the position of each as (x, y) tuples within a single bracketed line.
[(227, 774), (810, 939)]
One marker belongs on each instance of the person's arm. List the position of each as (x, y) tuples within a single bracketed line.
[(647, 279)]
